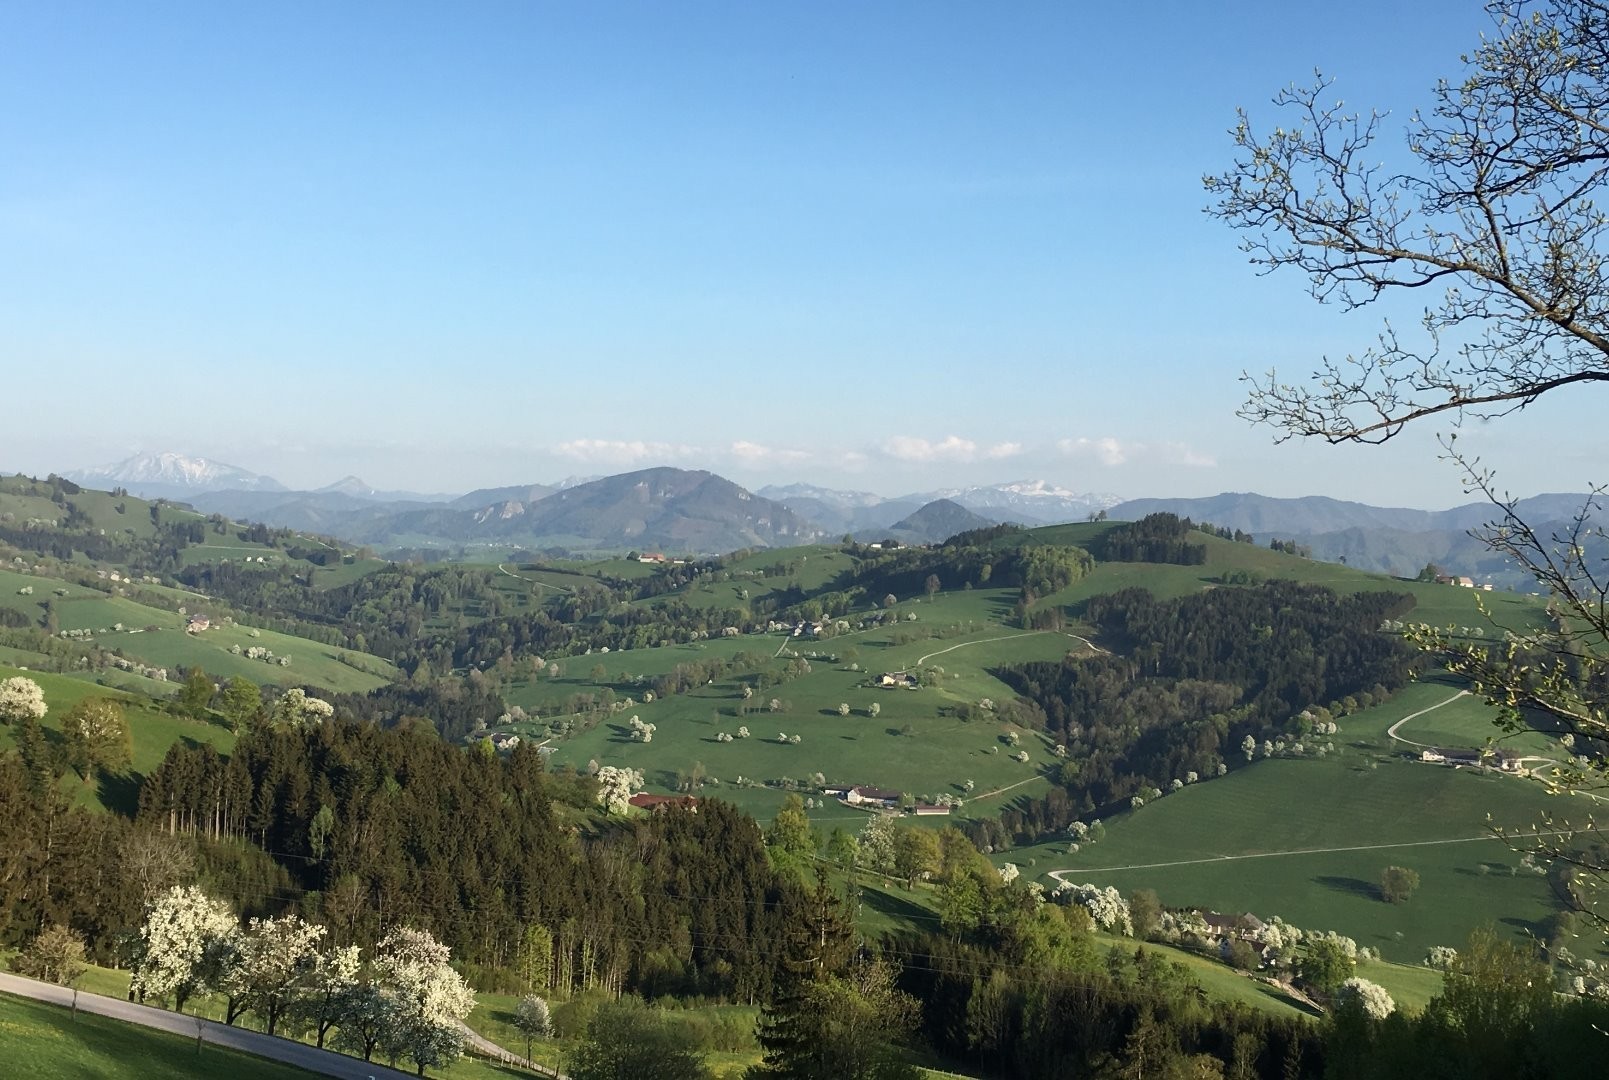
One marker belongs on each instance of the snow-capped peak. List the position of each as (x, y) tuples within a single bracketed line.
[(169, 470)]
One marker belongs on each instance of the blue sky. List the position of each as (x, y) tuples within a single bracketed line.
[(890, 247)]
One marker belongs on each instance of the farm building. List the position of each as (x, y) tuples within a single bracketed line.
[(197, 624), (902, 679), (923, 809), (1247, 927), (1492, 759), (871, 796)]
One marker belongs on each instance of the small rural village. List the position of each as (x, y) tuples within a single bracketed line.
[(694, 695)]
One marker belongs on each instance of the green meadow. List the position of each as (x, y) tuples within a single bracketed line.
[(153, 731), (57, 1046), (1307, 840)]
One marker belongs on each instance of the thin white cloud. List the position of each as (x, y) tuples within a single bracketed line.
[(951, 448), (1107, 450), (753, 453), (624, 452), (1112, 452)]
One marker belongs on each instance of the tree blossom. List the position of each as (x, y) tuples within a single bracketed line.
[(426, 999), (182, 945), (1371, 998), (21, 699), (616, 787)]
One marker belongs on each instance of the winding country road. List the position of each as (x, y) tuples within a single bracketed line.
[(920, 660), (1391, 731), (287, 1051)]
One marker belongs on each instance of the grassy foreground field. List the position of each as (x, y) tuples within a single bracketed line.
[(57, 1047), (98, 1047)]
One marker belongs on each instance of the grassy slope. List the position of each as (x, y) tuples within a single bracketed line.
[(55, 1045), (942, 753), (938, 756), (156, 637), (1368, 794), (153, 732), (312, 663)]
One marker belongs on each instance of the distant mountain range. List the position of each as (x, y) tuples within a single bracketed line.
[(698, 512), (168, 475)]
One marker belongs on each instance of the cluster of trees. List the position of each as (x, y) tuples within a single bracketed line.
[(1155, 538), (1199, 676), (371, 821), (977, 558)]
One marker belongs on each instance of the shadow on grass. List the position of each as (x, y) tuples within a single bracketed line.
[(895, 907), (119, 792), (1534, 930), (1354, 886)]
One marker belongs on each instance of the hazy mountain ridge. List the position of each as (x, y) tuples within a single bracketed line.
[(1028, 501), (675, 509), (695, 511), (934, 523), (169, 475)]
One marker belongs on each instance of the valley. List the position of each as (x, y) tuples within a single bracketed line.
[(1023, 692)]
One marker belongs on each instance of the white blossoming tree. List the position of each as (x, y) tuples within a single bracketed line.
[(426, 1000), (1441, 957), (1106, 906), (21, 699), (295, 709), (325, 989), (876, 851), (182, 945), (269, 966), (616, 786), (532, 1018), (1369, 998)]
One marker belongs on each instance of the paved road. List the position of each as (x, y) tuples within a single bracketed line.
[(311, 1058), (486, 1048)]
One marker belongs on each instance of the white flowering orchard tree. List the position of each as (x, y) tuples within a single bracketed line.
[(21, 699), (271, 964), (1369, 998), (426, 999), (531, 1016), (325, 989), (183, 944), (616, 786), (295, 709), (1106, 906), (876, 851)]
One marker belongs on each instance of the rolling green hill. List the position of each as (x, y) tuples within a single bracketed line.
[(153, 729)]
